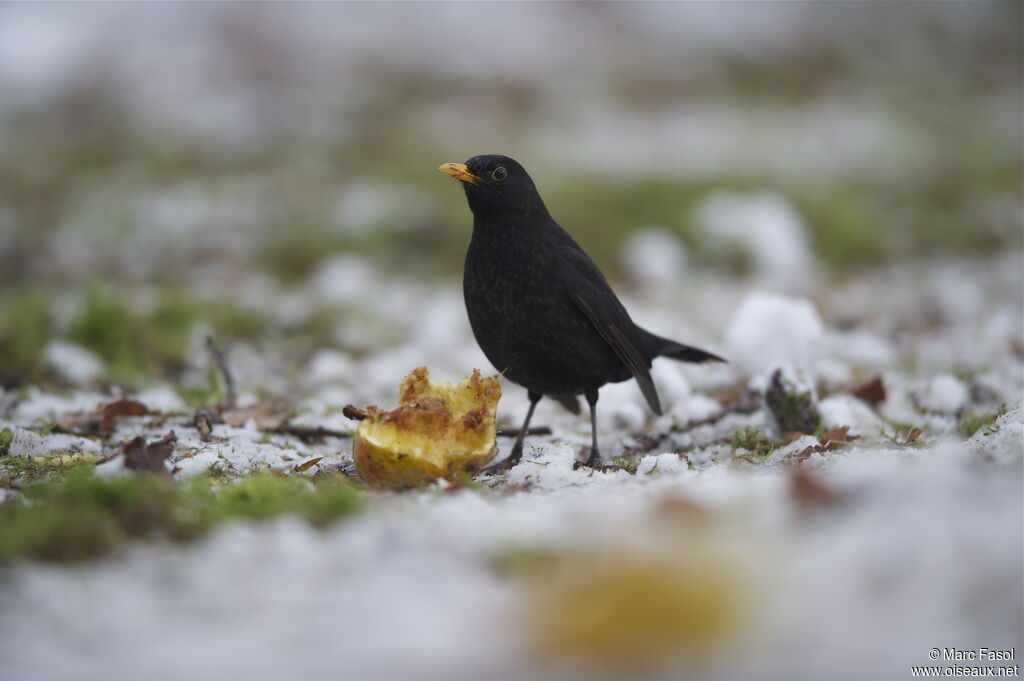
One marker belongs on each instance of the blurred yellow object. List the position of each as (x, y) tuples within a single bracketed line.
[(438, 430), (627, 610)]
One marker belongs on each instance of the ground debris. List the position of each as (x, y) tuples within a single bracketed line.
[(350, 411), (872, 392), (794, 410), (310, 433), (306, 465), (836, 438), (829, 441), (102, 420), (140, 455), (203, 421)]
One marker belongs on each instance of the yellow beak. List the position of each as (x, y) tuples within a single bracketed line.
[(459, 171)]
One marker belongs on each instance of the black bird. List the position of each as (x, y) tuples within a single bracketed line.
[(540, 308)]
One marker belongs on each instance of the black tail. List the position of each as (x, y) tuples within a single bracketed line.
[(570, 402), (663, 347)]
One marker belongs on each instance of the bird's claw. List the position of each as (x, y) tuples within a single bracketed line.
[(505, 464), (593, 461), (498, 467)]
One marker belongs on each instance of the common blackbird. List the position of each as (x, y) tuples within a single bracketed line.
[(540, 308)]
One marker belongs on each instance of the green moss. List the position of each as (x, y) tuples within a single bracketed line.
[(261, 496), (29, 469), (901, 426), (971, 422), (754, 441), (6, 437), (626, 463), (22, 468), (333, 497), (25, 328), (80, 516), (104, 325), (141, 344)]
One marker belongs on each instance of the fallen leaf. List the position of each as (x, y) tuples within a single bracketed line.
[(123, 407), (306, 465), (911, 436), (872, 392), (797, 458), (140, 455), (835, 438)]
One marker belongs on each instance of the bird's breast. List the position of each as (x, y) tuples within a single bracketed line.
[(524, 319)]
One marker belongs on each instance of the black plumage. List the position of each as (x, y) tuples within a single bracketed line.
[(539, 307)]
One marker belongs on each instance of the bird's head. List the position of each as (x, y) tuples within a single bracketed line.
[(495, 184)]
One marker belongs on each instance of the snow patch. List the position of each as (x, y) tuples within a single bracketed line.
[(846, 410), (764, 226), (73, 362), (769, 329), (662, 463), (944, 393), (654, 258)]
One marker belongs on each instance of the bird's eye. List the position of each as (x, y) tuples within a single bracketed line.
[(499, 174)]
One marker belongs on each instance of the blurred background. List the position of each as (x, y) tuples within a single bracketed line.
[(266, 171), (836, 188)]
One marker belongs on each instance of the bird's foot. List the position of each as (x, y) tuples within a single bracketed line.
[(507, 463), (593, 461)]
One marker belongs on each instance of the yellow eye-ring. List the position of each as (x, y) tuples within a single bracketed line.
[(499, 174)]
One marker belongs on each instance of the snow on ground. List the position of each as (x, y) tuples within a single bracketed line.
[(845, 564)]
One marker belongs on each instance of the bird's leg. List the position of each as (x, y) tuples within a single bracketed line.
[(517, 448), (595, 456)]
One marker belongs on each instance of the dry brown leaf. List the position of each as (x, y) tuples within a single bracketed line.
[(797, 458), (123, 407), (835, 438), (306, 465), (140, 455), (872, 392), (911, 436)]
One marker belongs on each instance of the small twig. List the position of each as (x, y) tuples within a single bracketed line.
[(690, 425), (229, 381), (352, 412), (308, 433), (538, 430), (647, 443)]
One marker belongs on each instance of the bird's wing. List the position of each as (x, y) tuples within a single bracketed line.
[(599, 304)]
